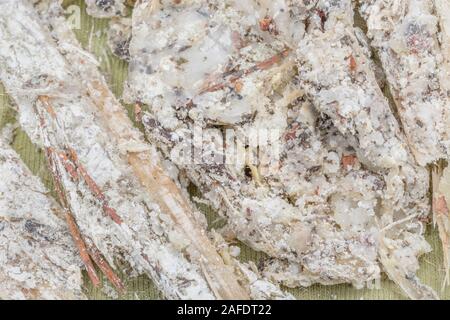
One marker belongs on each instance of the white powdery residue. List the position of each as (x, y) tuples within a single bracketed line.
[(39, 259)]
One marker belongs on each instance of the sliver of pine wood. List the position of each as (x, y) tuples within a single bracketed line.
[(92, 36)]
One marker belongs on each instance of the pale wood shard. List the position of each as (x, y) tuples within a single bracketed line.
[(38, 258), (71, 164), (58, 161), (95, 189), (171, 200)]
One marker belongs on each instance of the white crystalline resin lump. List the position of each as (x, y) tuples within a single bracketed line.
[(68, 106), (405, 35)]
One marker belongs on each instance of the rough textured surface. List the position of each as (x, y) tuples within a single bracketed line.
[(119, 37), (142, 238), (38, 259), (93, 36)]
